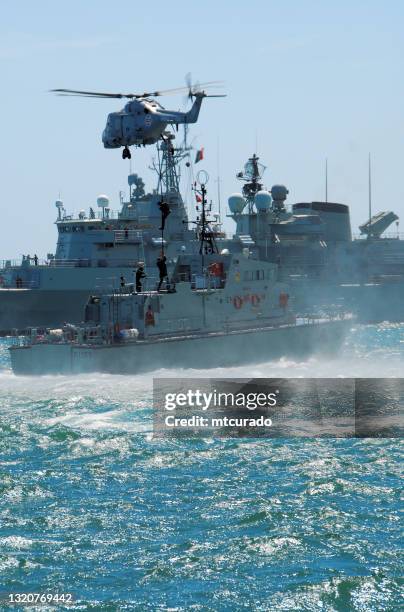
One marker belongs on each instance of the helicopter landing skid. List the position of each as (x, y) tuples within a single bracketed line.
[(126, 154)]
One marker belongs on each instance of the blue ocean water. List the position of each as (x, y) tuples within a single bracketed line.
[(92, 504)]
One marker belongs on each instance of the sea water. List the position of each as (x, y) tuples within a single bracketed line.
[(92, 505)]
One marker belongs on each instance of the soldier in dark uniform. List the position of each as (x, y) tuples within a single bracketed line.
[(165, 211), (162, 266), (139, 275)]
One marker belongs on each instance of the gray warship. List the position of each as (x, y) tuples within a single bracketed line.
[(214, 309), (98, 248), (313, 245)]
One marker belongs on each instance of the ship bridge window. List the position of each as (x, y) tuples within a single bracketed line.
[(259, 274)]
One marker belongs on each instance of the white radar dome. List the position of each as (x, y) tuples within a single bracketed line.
[(103, 201), (279, 192), (263, 200), (236, 203)]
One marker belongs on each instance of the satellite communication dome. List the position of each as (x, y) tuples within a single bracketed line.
[(279, 192), (103, 201), (236, 203), (263, 200)]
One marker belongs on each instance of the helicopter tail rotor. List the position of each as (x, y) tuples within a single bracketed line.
[(198, 89)]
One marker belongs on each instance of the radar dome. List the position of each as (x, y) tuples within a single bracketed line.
[(263, 200), (236, 203), (103, 201), (279, 192)]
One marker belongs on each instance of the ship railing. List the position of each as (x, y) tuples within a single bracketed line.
[(97, 214), (390, 235), (8, 264), (93, 263)]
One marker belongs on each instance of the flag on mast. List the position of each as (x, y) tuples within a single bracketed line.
[(199, 155)]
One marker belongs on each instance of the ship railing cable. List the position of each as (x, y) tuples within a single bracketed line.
[(13, 264), (93, 263), (98, 214), (389, 235)]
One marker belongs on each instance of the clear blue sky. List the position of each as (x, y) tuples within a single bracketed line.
[(308, 79)]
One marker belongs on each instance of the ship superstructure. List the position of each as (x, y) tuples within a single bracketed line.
[(100, 248), (313, 245)]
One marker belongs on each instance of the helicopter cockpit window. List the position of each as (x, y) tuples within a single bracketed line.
[(146, 110)]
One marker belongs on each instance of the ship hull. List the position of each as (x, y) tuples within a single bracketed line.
[(205, 351), (370, 302), (22, 308)]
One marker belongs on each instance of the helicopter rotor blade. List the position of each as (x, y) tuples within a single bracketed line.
[(92, 94), (146, 94)]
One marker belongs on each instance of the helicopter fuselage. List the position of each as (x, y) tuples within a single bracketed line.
[(143, 122), (136, 124)]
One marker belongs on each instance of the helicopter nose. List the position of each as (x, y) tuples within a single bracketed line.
[(109, 141)]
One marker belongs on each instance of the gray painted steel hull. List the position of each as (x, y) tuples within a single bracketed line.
[(208, 351), (370, 302), (20, 308)]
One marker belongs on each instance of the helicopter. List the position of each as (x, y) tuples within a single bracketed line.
[(143, 120)]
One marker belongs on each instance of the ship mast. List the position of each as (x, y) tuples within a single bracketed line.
[(168, 162), (207, 243), (251, 176)]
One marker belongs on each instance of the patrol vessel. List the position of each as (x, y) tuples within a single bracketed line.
[(216, 309), (98, 248)]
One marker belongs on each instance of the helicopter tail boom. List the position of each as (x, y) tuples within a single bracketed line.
[(192, 115)]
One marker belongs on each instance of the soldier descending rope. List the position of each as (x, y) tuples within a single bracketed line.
[(162, 267), (165, 211)]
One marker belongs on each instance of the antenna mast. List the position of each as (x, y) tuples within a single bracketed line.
[(207, 243), (326, 179), (370, 191), (167, 166)]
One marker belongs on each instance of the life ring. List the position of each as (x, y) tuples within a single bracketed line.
[(237, 302)]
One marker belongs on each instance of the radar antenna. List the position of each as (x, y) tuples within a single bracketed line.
[(252, 175)]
